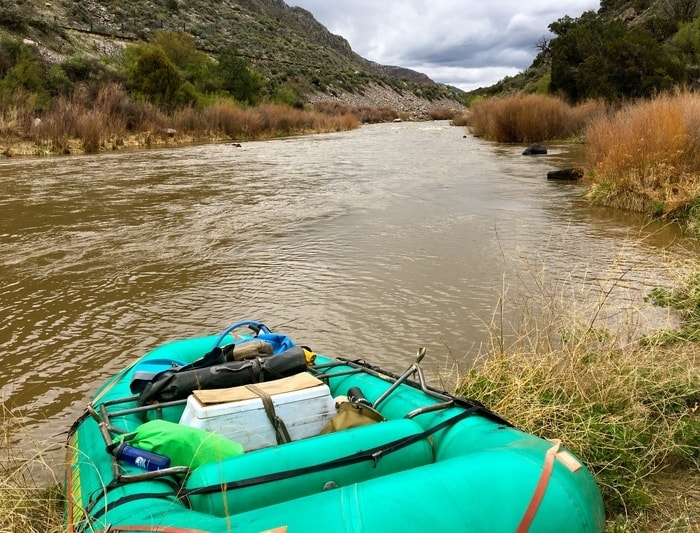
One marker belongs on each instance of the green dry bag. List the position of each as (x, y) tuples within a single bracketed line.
[(185, 446)]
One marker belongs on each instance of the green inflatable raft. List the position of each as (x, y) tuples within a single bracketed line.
[(248, 432)]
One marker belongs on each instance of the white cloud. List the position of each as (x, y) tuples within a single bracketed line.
[(465, 44)]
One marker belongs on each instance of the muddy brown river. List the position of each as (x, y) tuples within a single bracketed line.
[(367, 244)]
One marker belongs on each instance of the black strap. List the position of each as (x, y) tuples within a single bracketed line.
[(373, 454), (99, 494), (281, 433), (121, 501)]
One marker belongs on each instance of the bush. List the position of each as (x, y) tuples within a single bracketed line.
[(646, 157), (530, 118), (441, 113), (24, 74), (596, 57), (238, 78), (153, 76)]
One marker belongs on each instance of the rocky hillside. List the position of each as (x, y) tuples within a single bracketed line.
[(287, 45)]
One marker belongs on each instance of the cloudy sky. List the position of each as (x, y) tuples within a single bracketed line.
[(465, 43)]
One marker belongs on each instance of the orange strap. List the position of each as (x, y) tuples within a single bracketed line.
[(541, 487)]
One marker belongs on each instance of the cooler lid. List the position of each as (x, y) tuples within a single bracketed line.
[(293, 383)]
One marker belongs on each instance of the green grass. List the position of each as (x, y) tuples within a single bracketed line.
[(629, 409)]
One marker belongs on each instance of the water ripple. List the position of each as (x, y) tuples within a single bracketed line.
[(362, 244)]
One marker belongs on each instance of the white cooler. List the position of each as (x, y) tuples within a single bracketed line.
[(302, 401)]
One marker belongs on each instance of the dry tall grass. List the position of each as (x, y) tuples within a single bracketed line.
[(461, 118), (530, 118), (441, 113), (27, 505), (13, 119), (630, 410), (105, 120), (646, 157)]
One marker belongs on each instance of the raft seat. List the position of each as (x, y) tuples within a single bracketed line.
[(297, 469)]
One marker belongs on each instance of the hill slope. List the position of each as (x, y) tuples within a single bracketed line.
[(286, 44)]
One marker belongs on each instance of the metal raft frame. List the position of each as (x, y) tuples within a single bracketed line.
[(107, 430), (322, 371)]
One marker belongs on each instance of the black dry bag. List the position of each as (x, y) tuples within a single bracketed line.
[(177, 384)]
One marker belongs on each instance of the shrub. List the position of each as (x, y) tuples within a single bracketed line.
[(288, 96), (646, 157), (597, 57), (441, 113), (238, 78), (530, 118), (154, 76), (24, 74)]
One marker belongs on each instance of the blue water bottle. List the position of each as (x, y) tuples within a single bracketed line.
[(141, 458)]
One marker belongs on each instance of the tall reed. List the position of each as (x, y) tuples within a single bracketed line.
[(104, 120), (26, 504), (530, 118), (646, 157)]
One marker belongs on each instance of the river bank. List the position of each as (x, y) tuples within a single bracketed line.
[(266, 122), (640, 157), (107, 124), (138, 141)]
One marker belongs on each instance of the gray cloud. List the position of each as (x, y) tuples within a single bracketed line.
[(465, 44)]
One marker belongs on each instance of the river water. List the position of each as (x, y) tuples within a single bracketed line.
[(368, 243)]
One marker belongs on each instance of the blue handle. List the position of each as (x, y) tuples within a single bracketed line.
[(254, 325)]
